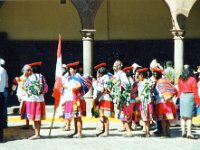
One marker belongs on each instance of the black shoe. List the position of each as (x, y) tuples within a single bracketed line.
[(158, 133), (184, 136)]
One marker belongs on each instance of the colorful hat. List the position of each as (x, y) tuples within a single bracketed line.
[(74, 64), (158, 70), (141, 70), (39, 63), (127, 68), (99, 66)]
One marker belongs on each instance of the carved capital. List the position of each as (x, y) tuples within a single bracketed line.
[(178, 33), (88, 34)]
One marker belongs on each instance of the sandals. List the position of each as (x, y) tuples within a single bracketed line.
[(34, 137)]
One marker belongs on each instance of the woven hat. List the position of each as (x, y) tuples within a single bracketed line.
[(74, 64), (38, 63), (99, 66)]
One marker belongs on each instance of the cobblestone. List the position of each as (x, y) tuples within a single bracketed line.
[(16, 139)]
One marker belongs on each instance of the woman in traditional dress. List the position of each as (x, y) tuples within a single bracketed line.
[(165, 109), (35, 104), (60, 108), (126, 112), (22, 93), (145, 95), (189, 100), (74, 104), (103, 99), (120, 91)]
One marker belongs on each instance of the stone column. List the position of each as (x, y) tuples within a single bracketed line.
[(88, 38), (179, 10), (178, 51), (87, 10)]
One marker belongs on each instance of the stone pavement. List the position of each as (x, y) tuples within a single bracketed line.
[(17, 139)]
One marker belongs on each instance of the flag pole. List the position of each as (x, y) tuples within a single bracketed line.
[(52, 121), (58, 81)]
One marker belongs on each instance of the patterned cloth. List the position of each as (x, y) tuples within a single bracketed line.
[(126, 112), (164, 110), (72, 98), (167, 90), (145, 94), (105, 104), (120, 89)]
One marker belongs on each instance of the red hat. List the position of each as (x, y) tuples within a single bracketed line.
[(141, 70), (127, 68), (39, 63), (74, 64), (158, 70), (99, 66)]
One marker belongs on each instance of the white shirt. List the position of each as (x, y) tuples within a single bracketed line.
[(35, 98), (120, 75), (21, 93), (3, 79)]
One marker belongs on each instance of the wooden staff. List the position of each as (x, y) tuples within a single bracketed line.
[(52, 121)]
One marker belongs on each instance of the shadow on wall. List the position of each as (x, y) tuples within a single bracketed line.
[(18, 53)]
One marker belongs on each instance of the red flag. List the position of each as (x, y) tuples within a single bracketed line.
[(58, 79)]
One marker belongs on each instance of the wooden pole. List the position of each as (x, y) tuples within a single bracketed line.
[(52, 121)]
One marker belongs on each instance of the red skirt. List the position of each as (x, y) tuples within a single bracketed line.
[(106, 108), (69, 111), (146, 116), (165, 111), (35, 110), (126, 112)]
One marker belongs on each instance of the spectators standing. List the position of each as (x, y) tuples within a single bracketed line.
[(5, 97), (188, 94), (3, 82)]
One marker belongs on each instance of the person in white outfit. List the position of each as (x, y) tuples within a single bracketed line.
[(3, 79)]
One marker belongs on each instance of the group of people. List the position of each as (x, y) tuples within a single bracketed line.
[(134, 92)]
